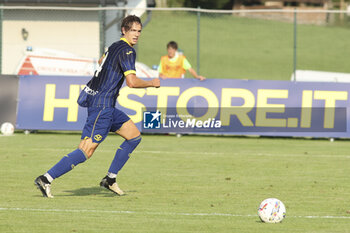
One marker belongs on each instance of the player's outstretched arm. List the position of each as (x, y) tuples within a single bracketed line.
[(134, 82), (194, 73)]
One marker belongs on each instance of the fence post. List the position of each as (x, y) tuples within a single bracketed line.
[(295, 46), (198, 39), (102, 19), (1, 35)]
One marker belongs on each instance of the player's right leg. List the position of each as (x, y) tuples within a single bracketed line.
[(94, 132), (66, 164)]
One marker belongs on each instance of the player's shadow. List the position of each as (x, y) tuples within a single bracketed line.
[(91, 191)]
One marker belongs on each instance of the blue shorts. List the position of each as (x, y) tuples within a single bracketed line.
[(101, 121)]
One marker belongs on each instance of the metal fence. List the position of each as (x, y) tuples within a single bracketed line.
[(237, 44)]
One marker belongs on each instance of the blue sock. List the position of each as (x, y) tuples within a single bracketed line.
[(122, 154), (67, 163)]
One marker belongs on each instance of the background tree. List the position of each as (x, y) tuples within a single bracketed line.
[(217, 4)]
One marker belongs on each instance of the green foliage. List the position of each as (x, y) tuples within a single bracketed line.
[(175, 3), (218, 4), (234, 47), (187, 184)]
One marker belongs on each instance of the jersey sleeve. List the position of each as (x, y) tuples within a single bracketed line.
[(186, 65), (127, 61)]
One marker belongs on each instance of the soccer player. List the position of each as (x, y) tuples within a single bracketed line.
[(174, 65), (99, 96)]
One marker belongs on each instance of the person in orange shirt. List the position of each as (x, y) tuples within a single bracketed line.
[(174, 65)]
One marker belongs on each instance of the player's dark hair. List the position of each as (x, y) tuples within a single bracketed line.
[(172, 44), (128, 21)]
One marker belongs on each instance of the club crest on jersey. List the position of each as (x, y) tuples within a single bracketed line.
[(98, 137)]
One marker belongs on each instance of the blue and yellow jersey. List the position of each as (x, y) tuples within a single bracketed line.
[(102, 90)]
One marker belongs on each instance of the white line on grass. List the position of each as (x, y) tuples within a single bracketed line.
[(157, 213), (243, 153), (137, 152)]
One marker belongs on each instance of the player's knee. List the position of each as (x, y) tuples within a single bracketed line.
[(136, 134), (88, 147), (133, 133), (134, 142), (88, 152)]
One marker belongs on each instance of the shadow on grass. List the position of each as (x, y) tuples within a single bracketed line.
[(91, 191)]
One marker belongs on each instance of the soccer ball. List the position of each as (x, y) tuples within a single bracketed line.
[(7, 129), (272, 210)]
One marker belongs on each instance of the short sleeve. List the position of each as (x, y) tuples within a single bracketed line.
[(186, 65), (127, 61)]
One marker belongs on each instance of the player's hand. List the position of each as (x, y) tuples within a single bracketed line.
[(156, 82), (201, 78), (162, 76)]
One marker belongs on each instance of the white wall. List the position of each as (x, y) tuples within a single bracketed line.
[(72, 31)]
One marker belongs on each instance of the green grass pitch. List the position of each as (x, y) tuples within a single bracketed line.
[(187, 184)]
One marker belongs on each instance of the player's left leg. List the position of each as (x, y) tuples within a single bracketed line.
[(132, 137)]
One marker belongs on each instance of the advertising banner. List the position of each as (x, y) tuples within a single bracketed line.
[(213, 106), (50, 103)]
